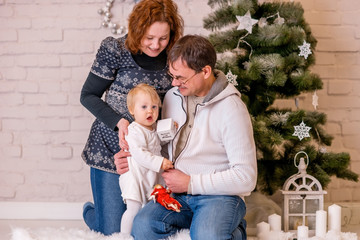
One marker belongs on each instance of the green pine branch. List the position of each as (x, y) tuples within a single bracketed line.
[(268, 67)]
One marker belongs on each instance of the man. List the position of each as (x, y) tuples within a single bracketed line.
[(213, 151)]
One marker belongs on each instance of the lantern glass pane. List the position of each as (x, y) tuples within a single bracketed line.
[(294, 222), (299, 181), (311, 222), (315, 187), (295, 206), (312, 205), (308, 181)]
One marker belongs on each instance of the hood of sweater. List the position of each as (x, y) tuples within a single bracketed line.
[(220, 88)]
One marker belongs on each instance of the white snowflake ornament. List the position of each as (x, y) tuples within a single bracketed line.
[(246, 22), (302, 131), (231, 78), (305, 50), (315, 99)]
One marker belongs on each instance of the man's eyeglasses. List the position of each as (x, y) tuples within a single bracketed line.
[(179, 78)]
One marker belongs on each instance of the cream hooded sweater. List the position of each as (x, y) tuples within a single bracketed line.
[(219, 154)]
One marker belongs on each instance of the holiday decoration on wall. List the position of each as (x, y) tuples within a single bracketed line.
[(107, 22), (269, 47)]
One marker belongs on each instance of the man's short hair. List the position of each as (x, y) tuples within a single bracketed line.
[(196, 51)]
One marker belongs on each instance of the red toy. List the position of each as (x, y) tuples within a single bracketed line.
[(162, 196)]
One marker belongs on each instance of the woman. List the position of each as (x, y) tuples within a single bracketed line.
[(120, 64)]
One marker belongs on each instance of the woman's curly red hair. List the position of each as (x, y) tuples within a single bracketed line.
[(144, 14)]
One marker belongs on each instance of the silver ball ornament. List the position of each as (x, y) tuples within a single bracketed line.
[(105, 24), (107, 16)]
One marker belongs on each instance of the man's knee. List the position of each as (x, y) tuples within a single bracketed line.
[(216, 234), (141, 224), (213, 233)]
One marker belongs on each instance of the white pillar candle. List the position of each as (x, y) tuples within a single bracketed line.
[(275, 222), (320, 224), (334, 212), (262, 227), (302, 232)]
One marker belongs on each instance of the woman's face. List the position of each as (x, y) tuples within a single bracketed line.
[(155, 39)]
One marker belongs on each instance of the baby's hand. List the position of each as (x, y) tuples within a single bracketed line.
[(176, 125), (166, 164)]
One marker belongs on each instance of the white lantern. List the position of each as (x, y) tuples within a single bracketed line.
[(303, 196)]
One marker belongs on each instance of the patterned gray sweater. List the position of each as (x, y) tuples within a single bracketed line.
[(114, 72)]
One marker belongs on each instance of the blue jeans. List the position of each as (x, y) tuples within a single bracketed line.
[(105, 216), (207, 217)]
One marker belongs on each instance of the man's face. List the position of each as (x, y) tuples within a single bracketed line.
[(187, 80)]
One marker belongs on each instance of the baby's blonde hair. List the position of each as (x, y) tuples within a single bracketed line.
[(144, 88)]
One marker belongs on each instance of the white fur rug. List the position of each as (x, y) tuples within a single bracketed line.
[(76, 234), (259, 207), (79, 234)]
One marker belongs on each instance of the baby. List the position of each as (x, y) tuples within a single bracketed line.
[(146, 161)]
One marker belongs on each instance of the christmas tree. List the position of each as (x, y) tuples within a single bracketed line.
[(265, 50)]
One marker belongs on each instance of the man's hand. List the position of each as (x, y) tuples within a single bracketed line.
[(121, 162), (176, 180)]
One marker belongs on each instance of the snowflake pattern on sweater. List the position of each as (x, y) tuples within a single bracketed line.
[(114, 62)]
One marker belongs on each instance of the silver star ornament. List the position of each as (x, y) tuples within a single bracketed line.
[(246, 22)]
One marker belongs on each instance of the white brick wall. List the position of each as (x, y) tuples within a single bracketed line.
[(47, 48), (335, 24)]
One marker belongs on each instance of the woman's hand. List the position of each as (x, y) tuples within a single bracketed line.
[(123, 131), (121, 162)]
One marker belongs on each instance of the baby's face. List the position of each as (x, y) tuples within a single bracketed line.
[(145, 110)]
